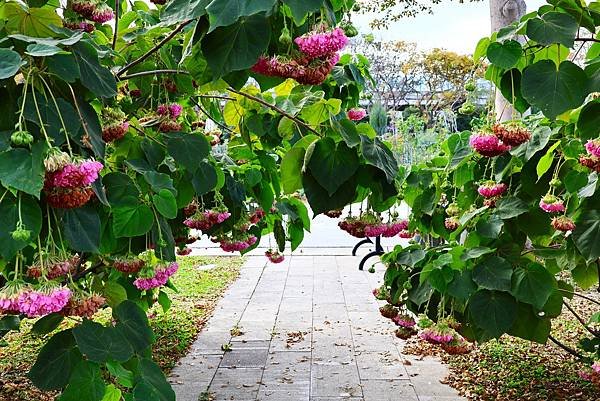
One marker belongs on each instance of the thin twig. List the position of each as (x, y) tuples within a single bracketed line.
[(87, 271), (160, 44), (152, 72), (217, 97), (580, 295), (275, 108), (580, 320), (587, 40), (565, 347), (116, 32), (222, 126)]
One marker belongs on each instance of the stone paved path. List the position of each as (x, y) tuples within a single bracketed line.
[(311, 332)]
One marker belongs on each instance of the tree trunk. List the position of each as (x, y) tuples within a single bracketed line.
[(503, 13)]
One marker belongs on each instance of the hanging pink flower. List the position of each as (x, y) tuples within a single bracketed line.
[(487, 144), (319, 44), (356, 114), (160, 277), (172, 110), (596, 367), (375, 230), (103, 13), (511, 134), (593, 147), (406, 234), (435, 335), (41, 303), (552, 204), (274, 256), (591, 162), (237, 245), (490, 189), (563, 223), (404, 321), (74, 175), (451, 223)]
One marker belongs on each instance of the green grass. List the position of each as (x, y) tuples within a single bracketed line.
[(175, 330)]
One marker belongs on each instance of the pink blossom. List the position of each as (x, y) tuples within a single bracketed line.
[(596, 367), (404, 321), (274, 256), (102, 14), (375, 230), (395, 228), (593, 147), (162, 110), (175, 110), (435, 336), (319, 44), (75, 175), (231, 245), (160, 278), (406, 234), (41, 303), (356, 114), (552, 204), (487, 144), (492, 189)]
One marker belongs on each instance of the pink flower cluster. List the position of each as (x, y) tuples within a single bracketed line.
[(160, 278), (563, 223), (205, 220), (257, 216), (593, 147), (319, 44), (375, 230), (236, 245), (304, 70), (356, 114), (394, 228), (274, 256), (172, 110), (94, 10), (406, 234), (491, 189), (41, 303), (487, 144), (434, 336), (75, 175), (404, 321), (452, 223), (552, 204)]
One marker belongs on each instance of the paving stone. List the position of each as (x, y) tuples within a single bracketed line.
[(389, 390), (380, 365), (192, 376), (236, 384), (335, 381), (245, 358)]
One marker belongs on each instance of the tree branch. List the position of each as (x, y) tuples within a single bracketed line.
[(580, 320), (152, 72), (579, 295), (277, 109), (222, 126), (565, 347), (578, 39), (116, 31), (160, 44)]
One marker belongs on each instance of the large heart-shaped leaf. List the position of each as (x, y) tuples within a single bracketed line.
[(55, 362), (291, 170), (133, 324), (533, 285), (132, 219), (86, 383), (379, 155), (332, 164), (238, 46), (82, 228), (32, 21), (188, 149), (31, 215), (493, 273), (182, 10), (151, 383), (300, 8), (319, 199), (510, 207), (553, 27), (165, 203), (226, 12), (554, 91), (493, 311), (10, 62), (510, 86), (587, 235), (23, 170), (94, 76), (505, 55), (588, 123), (101, 344)]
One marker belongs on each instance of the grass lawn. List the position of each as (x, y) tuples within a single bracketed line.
[(174, 330)]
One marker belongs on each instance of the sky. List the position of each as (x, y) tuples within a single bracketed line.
[(453, 26)]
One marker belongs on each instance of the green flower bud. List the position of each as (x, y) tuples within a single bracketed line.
[(555, 182), (285, 38), (470, 86), (21, 234)]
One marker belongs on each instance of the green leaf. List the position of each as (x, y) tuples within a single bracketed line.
[(9, 322), (81, 227), (510, 207), (505, 55), (529, 326), (539, 139), (462, 286), (588, 123), (114, 293), (481, 49), (585, 275), (226, 12), (164, 301), (101, 344), (587, 235), (23, 170), (132, 220), (55, 362), (112, 394), (490, 228), (533, 285), (493, 311), (554, 91), (151, 384), (98, 79), (120, 188), (133, 324), (63, 65), (204, 179), (319, 199), (30, 21), (553, 27), (347, 129), (9, 215), (188, 149), (493, 273), (238, 46), (300, 8), (86, 383), (10, 62), (182, 10), (379, 155), (321, 111), (47, 324), (165, 203), (332, 164), (42, 50), (510, 86), (291, 170), (545, 161)]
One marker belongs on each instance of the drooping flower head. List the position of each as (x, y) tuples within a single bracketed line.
[(114, 124), (552, 204), (593, 147), (83, 305), (102, 13), (511, 134), (161, 276), (563, 223), (404, 320), (9, 296), (591, 162), (72, 175), (274, 256), (406, 234), (42, 302), (452, 223), (491, 189), (487, 144), (356, 114), (324, 43)]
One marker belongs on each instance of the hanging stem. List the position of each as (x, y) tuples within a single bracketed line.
[(62, 121), (153, 72), (116, 32), (580, 320), (565, 347), (39, 115)]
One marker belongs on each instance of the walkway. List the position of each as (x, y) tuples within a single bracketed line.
[(307, 329)]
